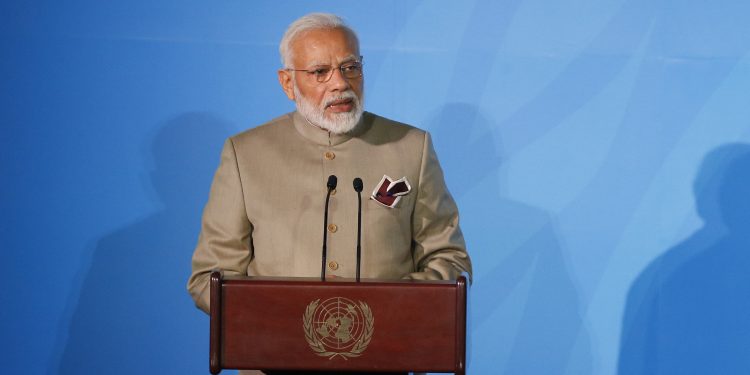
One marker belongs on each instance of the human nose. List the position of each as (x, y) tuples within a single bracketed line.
[(338, 81)]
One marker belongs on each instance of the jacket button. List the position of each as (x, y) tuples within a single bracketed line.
[(333, 265), (329, 155), (333, 228)]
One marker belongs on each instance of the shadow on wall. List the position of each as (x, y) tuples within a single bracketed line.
[(687, 312), (525, 314), (133, 314)]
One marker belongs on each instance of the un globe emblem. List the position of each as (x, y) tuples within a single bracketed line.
[(338, 326)]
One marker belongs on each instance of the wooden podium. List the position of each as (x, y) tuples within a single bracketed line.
[(307, 324)]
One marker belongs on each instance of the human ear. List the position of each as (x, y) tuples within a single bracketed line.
[(285, 80)]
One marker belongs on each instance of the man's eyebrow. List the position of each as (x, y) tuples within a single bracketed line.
[(350, 58), (317, 63), (347, 59)]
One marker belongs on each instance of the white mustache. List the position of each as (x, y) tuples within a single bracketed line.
[(344, 96)]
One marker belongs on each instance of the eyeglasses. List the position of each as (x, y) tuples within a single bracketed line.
[(323, 73)]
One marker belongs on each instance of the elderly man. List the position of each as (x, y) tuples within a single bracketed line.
[(264, 213)]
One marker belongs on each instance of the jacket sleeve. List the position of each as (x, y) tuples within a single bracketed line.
[(438, 247), (224, 242)]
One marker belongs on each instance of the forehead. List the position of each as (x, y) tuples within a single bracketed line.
[(323, 46)]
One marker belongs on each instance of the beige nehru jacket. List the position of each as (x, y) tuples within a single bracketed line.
[(264, 215)]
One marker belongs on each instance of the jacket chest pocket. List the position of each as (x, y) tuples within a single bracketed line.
[(387, 221)]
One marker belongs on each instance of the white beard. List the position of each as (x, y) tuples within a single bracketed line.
[(339, 123)]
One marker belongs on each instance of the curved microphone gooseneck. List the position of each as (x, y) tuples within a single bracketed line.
[(331, 184), (358, 188)]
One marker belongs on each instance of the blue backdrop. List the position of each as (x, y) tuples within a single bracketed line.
[(599, 152)]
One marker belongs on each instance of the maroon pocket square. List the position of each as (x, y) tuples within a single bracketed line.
[(388, 192)]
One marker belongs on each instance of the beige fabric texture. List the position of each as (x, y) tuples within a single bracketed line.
[(264, 215)]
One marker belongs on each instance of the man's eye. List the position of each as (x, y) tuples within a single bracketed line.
[(351, 67), (320, 71)]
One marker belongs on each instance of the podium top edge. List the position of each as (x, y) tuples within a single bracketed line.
[(336, 281)]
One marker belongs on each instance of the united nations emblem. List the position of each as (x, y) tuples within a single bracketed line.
[(338, 327)]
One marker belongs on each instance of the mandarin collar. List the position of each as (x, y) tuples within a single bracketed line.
[(324, 137)]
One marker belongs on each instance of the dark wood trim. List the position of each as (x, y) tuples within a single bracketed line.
[(461, 325), (215, 312)]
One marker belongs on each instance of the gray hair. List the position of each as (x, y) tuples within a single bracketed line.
[(312, 21)]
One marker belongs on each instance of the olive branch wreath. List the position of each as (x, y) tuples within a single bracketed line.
[(317, 345)]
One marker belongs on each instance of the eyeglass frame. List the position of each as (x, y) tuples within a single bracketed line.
[(330, 74)]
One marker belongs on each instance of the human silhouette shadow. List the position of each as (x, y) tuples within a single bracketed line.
[(687, 312), (524, 309), (133, 314)]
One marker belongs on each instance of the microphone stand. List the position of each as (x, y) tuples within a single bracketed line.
[(358, 188), (331, 184)]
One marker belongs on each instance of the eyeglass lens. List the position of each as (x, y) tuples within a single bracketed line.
[(349, 71)]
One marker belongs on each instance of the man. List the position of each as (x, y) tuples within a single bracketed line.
[(264, 213)]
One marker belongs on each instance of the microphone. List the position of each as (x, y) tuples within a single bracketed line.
[(358, 188), (332, 181), (331, 184)]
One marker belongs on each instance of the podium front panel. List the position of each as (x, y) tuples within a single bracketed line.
[(312, 325)]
